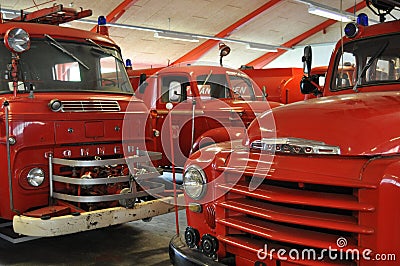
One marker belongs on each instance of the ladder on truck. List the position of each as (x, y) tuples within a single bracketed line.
[(54, 15)]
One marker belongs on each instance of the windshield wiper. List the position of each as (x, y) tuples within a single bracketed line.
[(104, 50), (65, 51), (368, 65)]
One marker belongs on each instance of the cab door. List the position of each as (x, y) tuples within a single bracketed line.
[(218, 101), (176, 89)]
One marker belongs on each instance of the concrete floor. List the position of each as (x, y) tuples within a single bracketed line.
[(134, 243)]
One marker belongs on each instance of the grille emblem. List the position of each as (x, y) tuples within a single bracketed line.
[(294, 146)]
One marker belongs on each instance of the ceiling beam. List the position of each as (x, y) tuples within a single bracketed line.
[(203, 48), (114, 15), (269, 57)]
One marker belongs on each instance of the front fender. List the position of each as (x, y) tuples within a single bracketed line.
[(385, 219), (218, 135)]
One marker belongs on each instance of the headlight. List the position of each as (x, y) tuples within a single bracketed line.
[(194, 181), (35, 177), (17, 40)]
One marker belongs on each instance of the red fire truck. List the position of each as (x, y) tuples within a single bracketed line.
[(314, 183), (206, 101), (71, 131), (277, 84), (280, 84)]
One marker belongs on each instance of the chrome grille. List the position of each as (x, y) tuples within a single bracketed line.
[(90, 106), (291, 212)]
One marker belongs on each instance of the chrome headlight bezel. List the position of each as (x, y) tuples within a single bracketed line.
[(17, 40), (35, 177), (194, 182)]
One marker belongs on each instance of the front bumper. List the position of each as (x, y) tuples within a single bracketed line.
[(181, 254), (68, 224)]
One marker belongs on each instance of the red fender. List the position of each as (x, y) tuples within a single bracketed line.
[(217, 135)]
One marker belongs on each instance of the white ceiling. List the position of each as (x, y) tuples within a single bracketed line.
[(277, 25)]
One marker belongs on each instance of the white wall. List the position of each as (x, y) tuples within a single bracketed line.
[(320, 57)]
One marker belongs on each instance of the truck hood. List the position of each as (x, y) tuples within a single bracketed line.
[(359, 124)]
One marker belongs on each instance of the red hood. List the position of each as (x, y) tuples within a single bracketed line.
[(360, 124)]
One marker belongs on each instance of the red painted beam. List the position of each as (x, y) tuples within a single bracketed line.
[(114, 15), (199, 51), (269, 57)]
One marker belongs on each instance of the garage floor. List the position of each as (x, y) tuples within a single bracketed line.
[(134, 243)]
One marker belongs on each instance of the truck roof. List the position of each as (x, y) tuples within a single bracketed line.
[(375, 30), (200, 69), (36, 30)]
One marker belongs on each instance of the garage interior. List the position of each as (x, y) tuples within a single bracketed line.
[(153, 34), (254, 30)]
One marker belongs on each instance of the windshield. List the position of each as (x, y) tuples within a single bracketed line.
[(368, 62), (51, 65), (217, 86)]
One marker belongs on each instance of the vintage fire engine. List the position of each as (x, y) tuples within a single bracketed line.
[(71, 131), (315, 182), (280, 84), (206, 101), (277, 84)]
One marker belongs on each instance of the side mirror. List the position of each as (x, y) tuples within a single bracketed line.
[(264, 91), (309, 85), (174, 91), (306, 86), (142, 78), (142, 83), (306, 59), (224, 50)]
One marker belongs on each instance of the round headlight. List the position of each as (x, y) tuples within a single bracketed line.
[(35, 177), (17, 40), (194, 181)]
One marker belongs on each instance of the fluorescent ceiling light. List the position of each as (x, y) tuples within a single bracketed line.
[(175, 36), (327, 13), (261, 47)]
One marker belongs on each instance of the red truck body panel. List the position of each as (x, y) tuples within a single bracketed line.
[(315, 176), (71, 131), (281, 84), (206, 104)]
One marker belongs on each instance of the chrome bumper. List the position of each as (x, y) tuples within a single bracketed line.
[(181, 254)]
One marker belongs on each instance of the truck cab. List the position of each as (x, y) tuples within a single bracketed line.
[(71, 130), (315, 182), (205, 101), (280, 84)]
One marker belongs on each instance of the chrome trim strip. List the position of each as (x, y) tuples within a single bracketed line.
[(90, 199), (143, 157), (90, 106), (51, 175), (295, 146), (8, 150), (93, 181), (101, 181), (157, 188), (179, 112), (140, 175)]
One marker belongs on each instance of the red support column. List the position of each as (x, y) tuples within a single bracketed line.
[(199, 51)]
